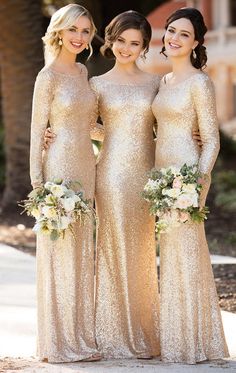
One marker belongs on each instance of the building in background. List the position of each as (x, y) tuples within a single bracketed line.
[(220, 17)]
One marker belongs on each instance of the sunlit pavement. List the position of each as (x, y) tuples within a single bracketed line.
[(18, 324)]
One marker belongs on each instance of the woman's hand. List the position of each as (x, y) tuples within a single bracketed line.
[(206, 182), (49, 138), (197, 137)]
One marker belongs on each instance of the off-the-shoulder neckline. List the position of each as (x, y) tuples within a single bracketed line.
[(80, 65), (200, 73), (127, 84)]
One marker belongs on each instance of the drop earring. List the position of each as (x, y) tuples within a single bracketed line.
[(60, 41), (87, 47), (194, 54)]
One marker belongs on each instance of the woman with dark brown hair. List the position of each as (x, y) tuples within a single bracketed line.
[(126, 303), (190, 321)]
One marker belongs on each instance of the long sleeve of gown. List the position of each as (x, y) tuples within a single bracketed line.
[(96, 129), (205, 106), (42, 99)]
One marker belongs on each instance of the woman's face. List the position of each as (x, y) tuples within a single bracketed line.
[(77, 37), (128, 46), (179, 39)]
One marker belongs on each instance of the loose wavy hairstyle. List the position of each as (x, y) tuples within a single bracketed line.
[(124, 21), (63, 19), (195, 17)]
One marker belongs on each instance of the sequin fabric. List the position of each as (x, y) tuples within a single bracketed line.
[(190, 321), (127, 301), (65, 268)]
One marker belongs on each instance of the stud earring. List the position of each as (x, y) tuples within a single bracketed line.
[(60, 41), (194, 54)]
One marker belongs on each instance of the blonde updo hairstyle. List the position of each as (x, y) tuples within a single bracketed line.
[(63, 19)]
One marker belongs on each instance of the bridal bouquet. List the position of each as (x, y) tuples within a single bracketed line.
[(174, 196), (56, 206)]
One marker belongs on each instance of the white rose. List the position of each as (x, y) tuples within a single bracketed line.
[(49, 212), (184, 201), (173, 193), (48, 185), (189, 188), (68, 204), (58, 190)]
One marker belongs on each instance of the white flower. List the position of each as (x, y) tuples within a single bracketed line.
[(42, 227), (69, 193), (195, 199), (49, 212), (184, 201), (173, 193), (76, 198), (68, 204), (35, 213), (174, 170), (189, 188), (48, 185), (151, 185), (58, 190), (64, 222)]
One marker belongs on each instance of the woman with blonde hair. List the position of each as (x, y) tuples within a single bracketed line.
[(65, 268)]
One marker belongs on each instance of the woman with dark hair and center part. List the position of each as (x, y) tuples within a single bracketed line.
[(190, 322)]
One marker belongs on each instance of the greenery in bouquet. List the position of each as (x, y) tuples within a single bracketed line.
[(173, 194), (56, 206)]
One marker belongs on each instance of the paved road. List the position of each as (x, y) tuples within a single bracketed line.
[(18, 325)]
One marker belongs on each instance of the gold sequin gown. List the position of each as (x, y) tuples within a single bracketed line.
[(127, 303), (65, 268), (190, 321)]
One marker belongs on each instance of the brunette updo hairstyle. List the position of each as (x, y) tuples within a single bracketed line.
[(124, 21), (195, 17)]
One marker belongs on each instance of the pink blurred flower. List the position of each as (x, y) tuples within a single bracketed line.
[(177, 182), (200, 180)]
